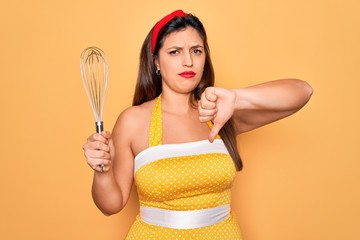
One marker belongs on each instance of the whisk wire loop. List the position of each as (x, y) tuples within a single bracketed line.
[(94, 74)]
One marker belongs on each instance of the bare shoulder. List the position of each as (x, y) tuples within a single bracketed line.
[(132, 126), (134, 117)]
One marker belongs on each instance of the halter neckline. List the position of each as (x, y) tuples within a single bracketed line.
[(156, 123)]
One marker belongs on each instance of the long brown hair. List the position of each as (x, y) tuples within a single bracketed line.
[(149, 85)]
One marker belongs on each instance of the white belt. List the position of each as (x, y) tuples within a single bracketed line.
[(184, 219)]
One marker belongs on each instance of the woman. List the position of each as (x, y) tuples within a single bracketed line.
[(178, 140)]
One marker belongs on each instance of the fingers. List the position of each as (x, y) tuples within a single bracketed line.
[(216, 105), (210, 94), (208, 110), (106, 134), (101, 167), (97, 151), (97, 154), (214, 131), (96, 158), (101, 137), (96, 145), (207, 115), (207, 105)]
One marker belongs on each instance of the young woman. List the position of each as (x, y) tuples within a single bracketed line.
[(178, 140)]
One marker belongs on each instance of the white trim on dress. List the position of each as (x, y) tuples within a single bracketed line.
[(177, 150), (184, 219)]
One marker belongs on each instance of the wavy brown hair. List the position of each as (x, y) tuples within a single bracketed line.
[(149, 85)]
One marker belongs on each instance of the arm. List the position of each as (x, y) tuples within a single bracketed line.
[(111, 188), (254, 106)]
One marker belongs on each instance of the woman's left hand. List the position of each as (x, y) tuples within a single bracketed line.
[(216, 105)]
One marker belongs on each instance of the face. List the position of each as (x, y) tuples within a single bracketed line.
[(181, 60)]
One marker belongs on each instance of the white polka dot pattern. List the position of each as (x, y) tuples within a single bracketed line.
[(155, 134), (184, 183)]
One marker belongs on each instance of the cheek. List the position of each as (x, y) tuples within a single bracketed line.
[(202, 61), (201, 66), (170, 67)]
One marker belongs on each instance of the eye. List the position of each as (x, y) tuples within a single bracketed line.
[(197, 51), (174, 52)]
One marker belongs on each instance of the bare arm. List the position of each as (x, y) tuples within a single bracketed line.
[(254, 106), (268, 102), (111, 188)]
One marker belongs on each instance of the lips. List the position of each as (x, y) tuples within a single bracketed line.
[(187, 74)]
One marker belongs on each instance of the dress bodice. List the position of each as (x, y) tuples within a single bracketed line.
[(182, 176)]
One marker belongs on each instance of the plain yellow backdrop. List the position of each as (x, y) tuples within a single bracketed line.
[(301, 176)]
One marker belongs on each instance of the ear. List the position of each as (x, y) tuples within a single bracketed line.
[(156, 62)]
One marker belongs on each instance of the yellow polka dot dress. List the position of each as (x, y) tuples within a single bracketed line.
[(184, 189)]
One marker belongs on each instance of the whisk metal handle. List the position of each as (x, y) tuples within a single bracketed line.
[(99, 126)]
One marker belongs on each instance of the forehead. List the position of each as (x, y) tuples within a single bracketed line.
[(186, 36)]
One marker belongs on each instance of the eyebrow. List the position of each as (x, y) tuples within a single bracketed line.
[(197, 46), (192, 47)]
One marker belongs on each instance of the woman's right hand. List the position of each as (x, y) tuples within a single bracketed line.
[(99, 151)]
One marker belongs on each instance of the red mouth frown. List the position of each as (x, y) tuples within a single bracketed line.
[(187, 74)]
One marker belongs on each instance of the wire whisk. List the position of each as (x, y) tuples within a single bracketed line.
[(94, 74)]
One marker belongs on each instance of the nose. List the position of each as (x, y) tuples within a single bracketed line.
[(187, 61)]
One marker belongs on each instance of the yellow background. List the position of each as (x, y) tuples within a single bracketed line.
[(301, 176)]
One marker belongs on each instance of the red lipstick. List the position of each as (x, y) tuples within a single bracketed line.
[(187, 74)]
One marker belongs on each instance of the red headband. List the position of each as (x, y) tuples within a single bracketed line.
[(160, 24)]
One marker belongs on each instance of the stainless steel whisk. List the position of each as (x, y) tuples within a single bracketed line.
[(94, 74)]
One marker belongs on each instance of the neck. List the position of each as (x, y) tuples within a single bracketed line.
[(177, 103)]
